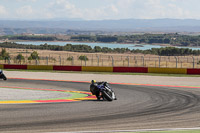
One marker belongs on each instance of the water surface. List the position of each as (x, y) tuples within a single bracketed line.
[(109, 45)]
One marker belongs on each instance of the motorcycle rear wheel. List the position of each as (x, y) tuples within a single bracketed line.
[(4, 77)]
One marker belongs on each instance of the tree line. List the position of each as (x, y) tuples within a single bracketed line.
[(174, 39), (4, 55), (30, 37), (166, 51)]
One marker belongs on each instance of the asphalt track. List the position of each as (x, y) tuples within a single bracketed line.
[(137, 107)]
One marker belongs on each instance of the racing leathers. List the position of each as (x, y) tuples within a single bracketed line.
[(95, 90)]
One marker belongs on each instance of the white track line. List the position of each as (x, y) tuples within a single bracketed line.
[(139, 130)]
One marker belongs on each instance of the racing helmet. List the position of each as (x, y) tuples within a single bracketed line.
[(93, 81)]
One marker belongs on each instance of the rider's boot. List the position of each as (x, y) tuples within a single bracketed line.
[(99, 98)]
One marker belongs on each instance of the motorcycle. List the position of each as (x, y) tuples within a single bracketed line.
[(107, 92), (2, 75)]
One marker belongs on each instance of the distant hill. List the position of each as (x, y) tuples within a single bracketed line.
[(9, 27)]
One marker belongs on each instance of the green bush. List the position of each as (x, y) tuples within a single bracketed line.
[(4, 55), (34, 56), (20, 57), (83, 57), (70, 58)]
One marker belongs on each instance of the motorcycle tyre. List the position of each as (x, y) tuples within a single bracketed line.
[(107, 96), (4, 77)]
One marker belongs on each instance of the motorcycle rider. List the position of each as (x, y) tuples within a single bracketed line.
[(2, 75), (95, 90)]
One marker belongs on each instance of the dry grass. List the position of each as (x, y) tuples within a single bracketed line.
[(102, 59)]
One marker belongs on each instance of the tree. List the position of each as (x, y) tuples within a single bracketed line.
[(70, 58), (107, 38), (33, 56), (97, 49), (83, 57), (4, 55), (20, 57), (68, 47)]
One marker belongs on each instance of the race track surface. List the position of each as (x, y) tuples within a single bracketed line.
[(137, 107)]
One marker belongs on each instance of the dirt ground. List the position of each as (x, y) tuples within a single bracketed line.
[(48, 57)]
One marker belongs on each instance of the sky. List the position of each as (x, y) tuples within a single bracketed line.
[(99, 9)]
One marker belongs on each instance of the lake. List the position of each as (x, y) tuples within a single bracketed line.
[(109, 45)]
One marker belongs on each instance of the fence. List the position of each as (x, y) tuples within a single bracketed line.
[(112, 60)]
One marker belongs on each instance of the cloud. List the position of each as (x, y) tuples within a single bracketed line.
[(25, 11), (26, 0), (151, 9), (64, 8), (114, 8), (102, 9), (160, 9), (117, 9), (60, 8), (2, 10)]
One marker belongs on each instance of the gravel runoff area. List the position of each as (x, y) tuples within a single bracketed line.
[(115, 78)]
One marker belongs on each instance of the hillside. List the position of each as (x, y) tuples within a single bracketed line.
[(10, 27)]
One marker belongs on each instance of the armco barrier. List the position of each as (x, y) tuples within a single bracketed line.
[(15, 67), (97, 69), (39, 67), (131, 69), (67, 68), (193, 71), (168, 70)]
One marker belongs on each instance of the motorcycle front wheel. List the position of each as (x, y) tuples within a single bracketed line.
[(107, 95)]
